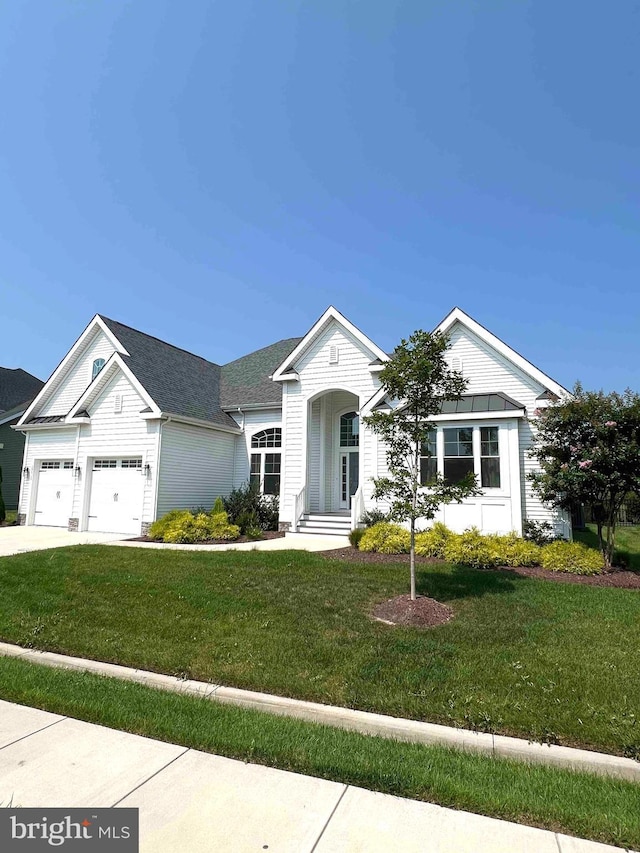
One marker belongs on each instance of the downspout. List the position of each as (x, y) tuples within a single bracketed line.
[(235, 446)]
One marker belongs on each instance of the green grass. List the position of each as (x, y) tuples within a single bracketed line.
[(547, 661), (555, 799), (627, 543)]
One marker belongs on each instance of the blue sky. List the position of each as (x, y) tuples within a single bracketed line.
[(218, 173)]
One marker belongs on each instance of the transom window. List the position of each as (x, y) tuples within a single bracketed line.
[(461, 455), (55, 465), (349, 430), (104, 463), (98, 364), (271, 437)]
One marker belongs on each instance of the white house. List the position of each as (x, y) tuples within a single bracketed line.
[(129, 427)]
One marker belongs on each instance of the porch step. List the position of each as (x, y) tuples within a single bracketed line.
[(325, 524)]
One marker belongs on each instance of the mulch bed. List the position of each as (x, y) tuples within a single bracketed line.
[(620, 578), (422, 613), (267, 534)]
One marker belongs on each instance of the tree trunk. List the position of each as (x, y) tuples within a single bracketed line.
[(412, 559)]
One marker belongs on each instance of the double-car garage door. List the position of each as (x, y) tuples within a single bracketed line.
[(114, 500)]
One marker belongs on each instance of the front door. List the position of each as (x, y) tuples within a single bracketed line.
[(349, 477)]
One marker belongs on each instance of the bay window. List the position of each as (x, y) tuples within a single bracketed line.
[(455, 452)]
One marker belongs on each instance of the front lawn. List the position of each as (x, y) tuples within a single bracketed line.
[(579, 804), (555, 662)]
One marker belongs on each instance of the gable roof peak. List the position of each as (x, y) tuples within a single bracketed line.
[(331, 313), (458, 315)]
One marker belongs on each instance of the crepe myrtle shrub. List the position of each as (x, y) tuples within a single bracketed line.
[(588, 449), (419, 379)]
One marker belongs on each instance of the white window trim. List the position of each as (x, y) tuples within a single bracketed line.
[(503, 452), (262, 452)]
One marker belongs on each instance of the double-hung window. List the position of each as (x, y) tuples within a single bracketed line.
[(462, 451), (265, 463)]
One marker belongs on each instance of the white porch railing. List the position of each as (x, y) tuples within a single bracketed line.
[(299, 508), (357, 507)]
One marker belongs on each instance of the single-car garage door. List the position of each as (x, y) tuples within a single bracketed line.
[(115, 505), (55, 493)]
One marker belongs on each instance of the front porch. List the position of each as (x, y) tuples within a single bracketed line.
[(330, 500)]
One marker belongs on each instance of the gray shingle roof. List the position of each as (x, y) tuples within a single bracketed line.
[(179, 382), (246, 382), (16, 386)]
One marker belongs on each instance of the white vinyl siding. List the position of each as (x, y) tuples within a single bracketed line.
[(488, 371), (69, 388), (196, 467), (319, 373), (114, 433), (253, 421)]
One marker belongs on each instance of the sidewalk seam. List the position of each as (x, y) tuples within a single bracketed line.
[(330, 818), (35, 732), (153, 775)]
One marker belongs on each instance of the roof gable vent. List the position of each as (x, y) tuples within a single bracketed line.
[(456, 363), (333, 354)]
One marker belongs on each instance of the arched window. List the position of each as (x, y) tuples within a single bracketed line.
[(267, 438), (98, 364), (349, 430), (265, 466)]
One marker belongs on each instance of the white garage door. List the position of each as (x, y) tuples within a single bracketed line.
[(55, 493), (115, 505)]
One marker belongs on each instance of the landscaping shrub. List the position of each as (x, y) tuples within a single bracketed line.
[(221, 528), (431, 542), (516, 551), (247, 521), (355, 536), (159, 527), (247, 499), (373, 516), (571, 557), (385, 538), (218, 506), (473, 549), (182, 526), (540, 532)]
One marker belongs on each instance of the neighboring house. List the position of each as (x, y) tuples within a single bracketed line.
[(129, 427), (16, 387)]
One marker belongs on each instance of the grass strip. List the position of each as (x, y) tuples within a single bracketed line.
[(580, 804)]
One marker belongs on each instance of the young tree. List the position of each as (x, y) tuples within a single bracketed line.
[(588, 448), (420, 380)]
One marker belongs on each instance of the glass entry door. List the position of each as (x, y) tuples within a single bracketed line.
[(349, 477)]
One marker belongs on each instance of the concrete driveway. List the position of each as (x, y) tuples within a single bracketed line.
[(19, 540)]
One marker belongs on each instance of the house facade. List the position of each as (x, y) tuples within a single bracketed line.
[(129, 427)]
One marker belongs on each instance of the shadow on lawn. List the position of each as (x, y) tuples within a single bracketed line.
[(623, 557), (464, 582)]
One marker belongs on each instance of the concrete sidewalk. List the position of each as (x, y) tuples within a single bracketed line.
[(193, 801), (289, 542)]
